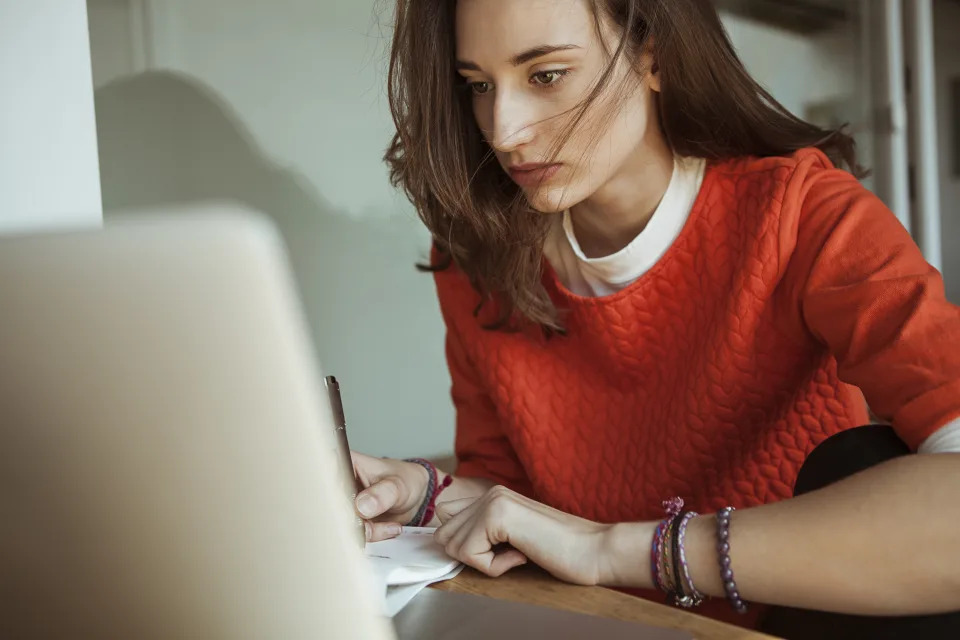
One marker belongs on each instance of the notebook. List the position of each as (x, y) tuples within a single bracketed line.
[(405, 565)]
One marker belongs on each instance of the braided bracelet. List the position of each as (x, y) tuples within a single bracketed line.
[(432, 504), (663, 569), (686, 595), (656, 564), (723, 557), (675, 593), (428, 507), (666, 560), (671, 572), (417, 519)]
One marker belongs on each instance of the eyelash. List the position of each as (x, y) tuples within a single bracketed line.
[(560, 73)]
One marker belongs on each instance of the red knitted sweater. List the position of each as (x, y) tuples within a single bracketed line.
[(790, 289)]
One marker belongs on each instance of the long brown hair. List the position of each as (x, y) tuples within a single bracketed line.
[(708, 106)]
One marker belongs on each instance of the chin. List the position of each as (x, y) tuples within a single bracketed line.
[(552, 198)]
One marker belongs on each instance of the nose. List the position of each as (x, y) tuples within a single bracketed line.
[(512, 123)]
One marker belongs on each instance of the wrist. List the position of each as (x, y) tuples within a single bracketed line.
[(702, 555), (624, 558), (418, 483)]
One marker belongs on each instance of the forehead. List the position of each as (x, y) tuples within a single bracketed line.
[(492, 31)]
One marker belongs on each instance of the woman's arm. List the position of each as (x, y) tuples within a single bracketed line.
[(860, 286), (883, 542), (887, 540)]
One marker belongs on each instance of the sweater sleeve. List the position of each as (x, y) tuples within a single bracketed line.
[(482, 448), (866, 292)]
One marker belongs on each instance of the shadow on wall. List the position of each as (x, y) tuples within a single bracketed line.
[(166, 140)]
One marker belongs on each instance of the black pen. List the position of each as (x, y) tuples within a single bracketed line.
[(350, 478)]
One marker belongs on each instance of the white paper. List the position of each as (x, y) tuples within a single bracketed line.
[(405, 565), (397, 597)]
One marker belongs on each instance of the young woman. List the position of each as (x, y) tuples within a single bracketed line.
[(656, 284)]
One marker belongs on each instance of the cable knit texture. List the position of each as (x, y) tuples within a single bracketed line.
[(713, 376)]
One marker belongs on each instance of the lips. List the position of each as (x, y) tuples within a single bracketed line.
[(531, 175)]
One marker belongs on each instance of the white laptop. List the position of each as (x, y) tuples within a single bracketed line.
[(167, 465), (166, 453)]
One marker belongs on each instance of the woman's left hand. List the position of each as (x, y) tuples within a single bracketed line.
[(475, 529)]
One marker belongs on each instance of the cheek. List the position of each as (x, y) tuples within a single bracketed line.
[(483, 117), (607, 142)]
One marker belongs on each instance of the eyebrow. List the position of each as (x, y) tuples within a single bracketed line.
[(521, 58)]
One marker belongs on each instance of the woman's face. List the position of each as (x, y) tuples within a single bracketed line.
[(529, 64)]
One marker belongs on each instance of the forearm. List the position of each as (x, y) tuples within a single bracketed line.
[(882, 542)]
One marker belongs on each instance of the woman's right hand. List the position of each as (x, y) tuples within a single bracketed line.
[(393, 491)]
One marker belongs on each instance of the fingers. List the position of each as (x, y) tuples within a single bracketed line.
[(377, 531), (367, 468), (446, 510), (504, 561), (474, 545), (456, 524), (380, 497), (471, 533)]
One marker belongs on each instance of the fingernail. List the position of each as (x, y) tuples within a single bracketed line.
[(367, 506), (393, 530)]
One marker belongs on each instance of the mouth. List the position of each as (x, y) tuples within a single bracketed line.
[(531, 175)]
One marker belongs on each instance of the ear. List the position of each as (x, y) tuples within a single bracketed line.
[(653, 76), (652, 65)]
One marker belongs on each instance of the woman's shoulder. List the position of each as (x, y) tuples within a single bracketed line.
[(789, 187), (793, 204), (809, 157), (793, 175)]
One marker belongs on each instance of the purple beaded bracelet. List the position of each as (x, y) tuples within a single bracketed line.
[(723, 557)]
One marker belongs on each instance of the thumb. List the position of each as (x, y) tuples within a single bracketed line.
[(446, 510), (506, 560), (380, 497)]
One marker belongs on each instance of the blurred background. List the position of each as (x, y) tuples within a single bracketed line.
[(113, 108)]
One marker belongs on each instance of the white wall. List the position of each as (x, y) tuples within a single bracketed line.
[(319, 64), (48, 140), (798, 70), (281, 106), (803, 72), (111, 39), (947, 63)]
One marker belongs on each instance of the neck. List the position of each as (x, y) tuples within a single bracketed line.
[(616, 213)]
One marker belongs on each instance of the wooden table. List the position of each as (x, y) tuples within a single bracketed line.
[(532, 585)]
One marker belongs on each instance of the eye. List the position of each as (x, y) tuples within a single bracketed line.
[(548, 78), (480, 88)]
